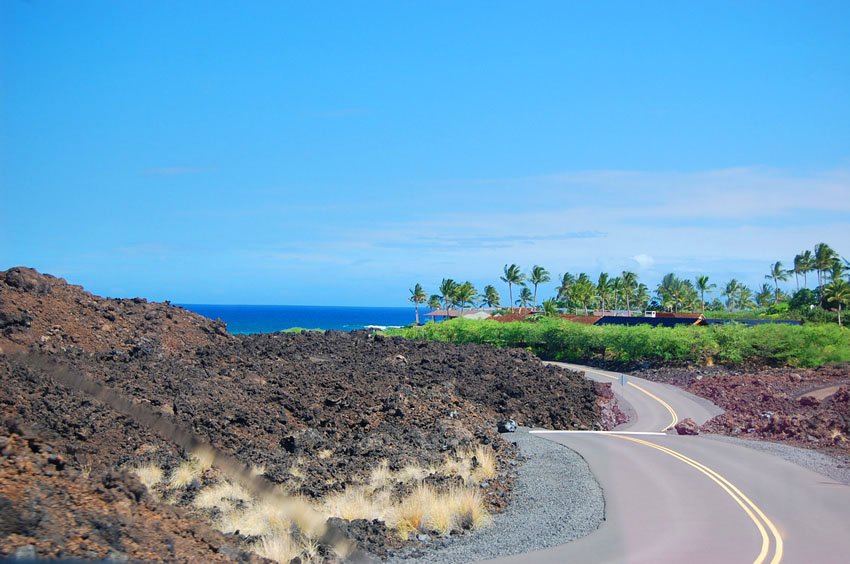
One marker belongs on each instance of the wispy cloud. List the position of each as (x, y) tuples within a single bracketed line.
[(654, 222), (466, 242)]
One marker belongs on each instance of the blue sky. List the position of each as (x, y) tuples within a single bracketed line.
[(338, 153)]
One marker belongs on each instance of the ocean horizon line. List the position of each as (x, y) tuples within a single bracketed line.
[(249, 319), (207, 304)]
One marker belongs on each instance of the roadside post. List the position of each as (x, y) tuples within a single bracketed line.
[(623, 380)]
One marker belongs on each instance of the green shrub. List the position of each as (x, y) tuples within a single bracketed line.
[(558, 339)]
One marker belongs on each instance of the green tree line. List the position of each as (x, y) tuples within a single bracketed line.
[(580, 294)]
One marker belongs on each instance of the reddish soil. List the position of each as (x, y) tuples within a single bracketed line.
[(50, 509), (273, 400), (773, 403)]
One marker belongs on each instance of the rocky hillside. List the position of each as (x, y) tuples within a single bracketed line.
[(44, 312), (315, 413)]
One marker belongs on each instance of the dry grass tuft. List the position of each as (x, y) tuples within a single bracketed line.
[(461, 465), (381, 476), (279, 548), (358, 503), (468, 505), (325, 454), (203, 457), (185, 473), (296, 471), (486, 466), (427, 509), (442, 517), (223, 496), (409, 515), (150, 475), (412, 473), (310, 522), (267, 518)]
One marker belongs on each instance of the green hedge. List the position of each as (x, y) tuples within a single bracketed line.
[(557, 339)]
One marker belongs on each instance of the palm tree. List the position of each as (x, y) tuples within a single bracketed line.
[(603, 288), (583, 291), (824, 256), (490, 297), (798, 269), (703, 286), (550, 308), (778, 273), (447, 291), (513, 275), (525, 297), (745, 298), (464, 294), (417, 296), (616, 291), (671, 291), (807, 264), (539, 275), (837, 270), (629, 284), (434, 302), (733, 287), (567, 282), (838, 292), (642, 295), (764, 295)]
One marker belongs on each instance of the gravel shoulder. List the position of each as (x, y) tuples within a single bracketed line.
[(832, 467), (556, 500)]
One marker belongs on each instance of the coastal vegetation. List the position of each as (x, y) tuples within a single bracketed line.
[(545, 333), (579, 294), (810, 345)]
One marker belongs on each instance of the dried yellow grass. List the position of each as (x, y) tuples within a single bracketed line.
[(324, 454), (223, 496), (279, 548), (310, 522), (427, 509), (149, 474), (486, 466), (358, 503), (412, 473), (467, 503), (203, 457), (442, 517), (460, 465), (380, 476), (265, 518), (410, 514), (184, 474)]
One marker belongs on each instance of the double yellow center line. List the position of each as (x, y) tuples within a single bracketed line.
[(761, 521), (750, 508), (675, 417)]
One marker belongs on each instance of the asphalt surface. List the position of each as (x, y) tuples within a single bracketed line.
[(689, 499), (649, 401)]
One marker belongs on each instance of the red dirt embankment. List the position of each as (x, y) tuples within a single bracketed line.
[(773, 403)]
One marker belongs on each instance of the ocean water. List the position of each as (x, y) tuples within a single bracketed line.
[(271, 318)]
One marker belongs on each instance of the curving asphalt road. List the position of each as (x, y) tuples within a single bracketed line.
[(652, 406), (692, 499)]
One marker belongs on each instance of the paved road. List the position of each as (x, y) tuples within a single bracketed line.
[(693, 499), (654, 406)]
